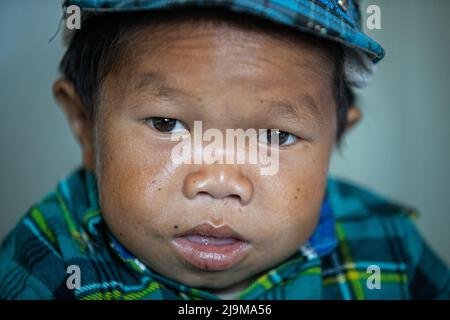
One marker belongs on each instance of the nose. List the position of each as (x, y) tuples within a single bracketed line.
[(220, 182)]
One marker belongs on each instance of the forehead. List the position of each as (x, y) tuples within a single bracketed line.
[(214, 56), (229, 34)]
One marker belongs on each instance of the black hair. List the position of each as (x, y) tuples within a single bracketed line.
[(98, 46)]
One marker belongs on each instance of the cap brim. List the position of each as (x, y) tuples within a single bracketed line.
[(313, 17)]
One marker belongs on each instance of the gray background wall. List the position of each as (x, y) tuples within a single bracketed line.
[(400, 149)]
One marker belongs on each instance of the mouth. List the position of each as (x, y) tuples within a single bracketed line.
[(210, 248)]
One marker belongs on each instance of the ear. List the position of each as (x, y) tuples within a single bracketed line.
[(78, 117), (354, 115)]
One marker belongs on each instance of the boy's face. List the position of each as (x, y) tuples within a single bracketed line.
[(227, 78)]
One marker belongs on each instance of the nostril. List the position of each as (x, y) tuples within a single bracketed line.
[(234, 196), (204, 193), (223, 196)]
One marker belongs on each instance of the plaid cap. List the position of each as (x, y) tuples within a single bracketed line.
[(338, 20)]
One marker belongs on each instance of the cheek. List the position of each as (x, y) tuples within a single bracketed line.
[(307, 179), (296, 194), (131, 178)]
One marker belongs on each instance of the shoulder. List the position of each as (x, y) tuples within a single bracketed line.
[(374, 230), (31, 265), (36, 253)]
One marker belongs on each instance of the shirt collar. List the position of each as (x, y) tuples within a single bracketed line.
[(324, 239)]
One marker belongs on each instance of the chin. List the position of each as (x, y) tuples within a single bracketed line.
[(212, 280)]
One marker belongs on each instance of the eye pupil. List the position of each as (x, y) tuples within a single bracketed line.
[(282, 136), (164, 124)]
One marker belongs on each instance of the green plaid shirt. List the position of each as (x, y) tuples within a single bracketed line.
[(358, 232)]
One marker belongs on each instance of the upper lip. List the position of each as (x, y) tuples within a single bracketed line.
[(207, 229)]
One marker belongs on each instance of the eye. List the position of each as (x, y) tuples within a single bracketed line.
[(166, 125), (284, 138)]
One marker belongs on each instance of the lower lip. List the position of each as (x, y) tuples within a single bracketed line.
[(211, 254)]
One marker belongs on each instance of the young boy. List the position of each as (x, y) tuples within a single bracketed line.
[(139, 221)]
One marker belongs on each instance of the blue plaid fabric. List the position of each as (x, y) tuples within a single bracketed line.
[(338, 20)]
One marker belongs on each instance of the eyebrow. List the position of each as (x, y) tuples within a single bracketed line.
[(157, 83), (300, 107), (290, 109)]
